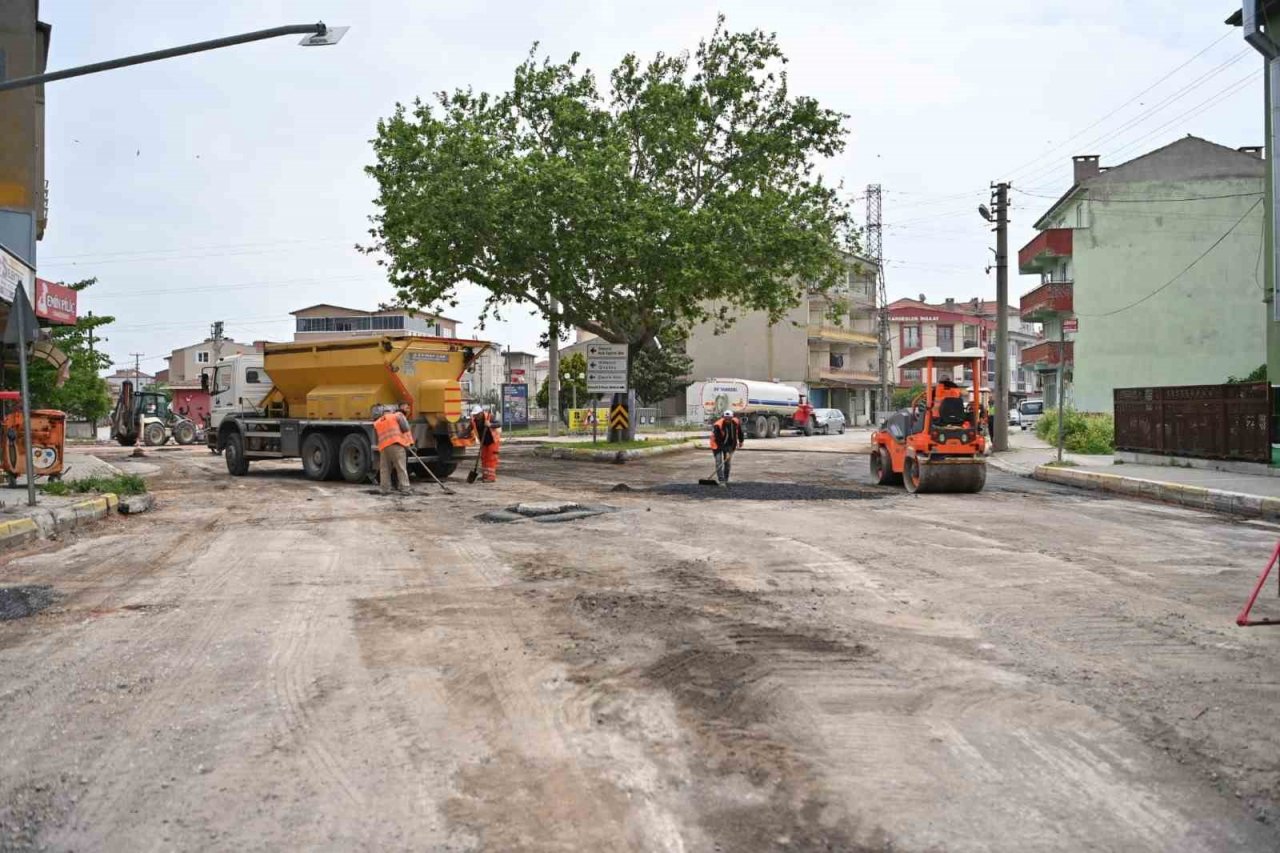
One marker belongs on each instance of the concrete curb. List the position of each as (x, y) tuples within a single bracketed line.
[(47, 523), (581, 454), (1182, 494)]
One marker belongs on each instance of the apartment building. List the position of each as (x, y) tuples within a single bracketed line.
[(324, 321)]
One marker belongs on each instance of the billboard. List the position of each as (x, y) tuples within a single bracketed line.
[(515, 404), (14, 272), (55, 303)]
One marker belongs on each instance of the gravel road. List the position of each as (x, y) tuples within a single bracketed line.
[(266, 663)]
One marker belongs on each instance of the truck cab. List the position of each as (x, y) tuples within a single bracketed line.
[(236, 385)]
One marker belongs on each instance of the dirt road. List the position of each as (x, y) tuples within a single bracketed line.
[(270, 663)]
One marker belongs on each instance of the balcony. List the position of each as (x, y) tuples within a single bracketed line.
[(1043, 251), (840, 335), (1047, 300), (841, 376), (1047, 354)]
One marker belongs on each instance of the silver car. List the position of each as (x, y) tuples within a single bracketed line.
[(829, 420)]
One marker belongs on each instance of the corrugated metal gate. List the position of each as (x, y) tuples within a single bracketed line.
[(1206, 421)]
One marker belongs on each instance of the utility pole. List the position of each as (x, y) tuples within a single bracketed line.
[(215, 333), (875, 248), (553, 373), (137, 370), (1000, 212)]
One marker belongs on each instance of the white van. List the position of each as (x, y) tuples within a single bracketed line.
[(1029, 411)]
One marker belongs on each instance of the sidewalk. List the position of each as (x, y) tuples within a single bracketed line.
[(1220, 491)]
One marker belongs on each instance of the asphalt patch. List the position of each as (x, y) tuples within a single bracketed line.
[(750, 491), (547, 513), (17, 602)]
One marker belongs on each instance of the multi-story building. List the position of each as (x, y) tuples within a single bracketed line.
[(322, 322), (139, 379), (1155, 261), (24, 50), (482, 383), (1024, 381), (190, 397), (827, 346), (915, 324)]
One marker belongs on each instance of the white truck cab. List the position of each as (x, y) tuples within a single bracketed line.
[(236, 384)]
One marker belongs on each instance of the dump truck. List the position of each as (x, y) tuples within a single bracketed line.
[(320, 397)]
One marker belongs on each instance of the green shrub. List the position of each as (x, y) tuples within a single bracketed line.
[(123, 484), (1089, 433)]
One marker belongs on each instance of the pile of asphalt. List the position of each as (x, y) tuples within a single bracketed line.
[(752, 491), (19, 601)]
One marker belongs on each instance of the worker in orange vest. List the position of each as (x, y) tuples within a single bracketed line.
[(804, 412), (490, 437), (726, 437), (393, 435)]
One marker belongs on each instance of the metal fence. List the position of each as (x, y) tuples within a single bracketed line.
[(1205, 421)]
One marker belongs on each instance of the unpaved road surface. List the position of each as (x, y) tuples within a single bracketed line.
[(268, 663)]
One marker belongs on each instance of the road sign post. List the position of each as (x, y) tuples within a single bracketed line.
[(607, 374)]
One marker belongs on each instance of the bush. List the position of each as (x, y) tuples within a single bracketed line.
[(124, 484), (902, 397), (1089, 433)]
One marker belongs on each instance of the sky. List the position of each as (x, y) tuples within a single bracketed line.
[(230, 185)]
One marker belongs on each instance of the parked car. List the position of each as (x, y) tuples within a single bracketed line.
[(1029, 411), (828, 420)]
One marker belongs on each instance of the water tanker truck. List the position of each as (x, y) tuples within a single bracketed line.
[(315, 401), (765, 408)]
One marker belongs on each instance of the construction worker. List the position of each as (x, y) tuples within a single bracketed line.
[(726, 438), (489, 437), (393, 435), (804, 413)]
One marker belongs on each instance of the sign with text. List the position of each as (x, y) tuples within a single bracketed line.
[(606, 368), (14, 272), (515, 404), (55, 303), (1070, 327)]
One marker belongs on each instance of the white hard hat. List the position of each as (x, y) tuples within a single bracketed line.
[(728, 413), (477, 410)]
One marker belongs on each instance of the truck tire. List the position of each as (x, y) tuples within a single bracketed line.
[(443, 470), (319, 456), (760, 427), (355, 458), (233, 452), (811, 426), (775, 426), (184, 432), (153, 435)]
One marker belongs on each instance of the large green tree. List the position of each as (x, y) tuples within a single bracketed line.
[(573, 379), (685, 192), (85, 394), (662, 371)]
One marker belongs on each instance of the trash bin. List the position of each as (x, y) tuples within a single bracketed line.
[(48, 443)]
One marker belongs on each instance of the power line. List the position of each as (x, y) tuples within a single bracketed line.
[(203, 248), (1218, 98), (1184, 270), (1090, 127), (1151, 199)]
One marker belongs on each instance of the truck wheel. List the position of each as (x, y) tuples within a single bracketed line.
[(811, 426), (319, 456), (775, 426), (760, 427), (443, 470), (355, 458), (153, 435), (184, 433), (237, 464)]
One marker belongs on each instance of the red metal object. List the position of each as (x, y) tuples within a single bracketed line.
[(11, 396), (1243, 619), (1048, 353), (1052, 297), (1048, 244)]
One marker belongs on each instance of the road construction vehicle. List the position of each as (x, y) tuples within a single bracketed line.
[(149, 415), (938, 444), (319, 402)]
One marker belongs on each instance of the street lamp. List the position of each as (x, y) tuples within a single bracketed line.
[(317, 35)]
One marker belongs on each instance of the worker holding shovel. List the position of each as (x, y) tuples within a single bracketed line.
[(393, 436), (726, 438), (489, 438)]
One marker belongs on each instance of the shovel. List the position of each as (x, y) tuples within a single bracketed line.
[(430, 473), (475, 469), (709, 482)]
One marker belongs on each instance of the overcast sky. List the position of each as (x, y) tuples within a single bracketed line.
[(229, 185)]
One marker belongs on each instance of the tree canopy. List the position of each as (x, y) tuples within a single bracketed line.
[(573, 376), (685, 192)]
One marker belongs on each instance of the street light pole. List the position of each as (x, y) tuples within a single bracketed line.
[(317, 35)]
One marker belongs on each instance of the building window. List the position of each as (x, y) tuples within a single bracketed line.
[(947, 338), (911, 374), (836, 360), (970, 336), (202, 357), (911, 337)]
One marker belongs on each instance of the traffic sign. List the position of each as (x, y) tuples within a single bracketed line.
[(618, 417), (607, 351), (606, 368)]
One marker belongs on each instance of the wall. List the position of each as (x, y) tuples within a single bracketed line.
[(183, 366), (752, 349), (1206, 325), (22, 49)]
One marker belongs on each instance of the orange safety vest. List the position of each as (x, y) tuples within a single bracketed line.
[(389, 432), (732, 431)]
